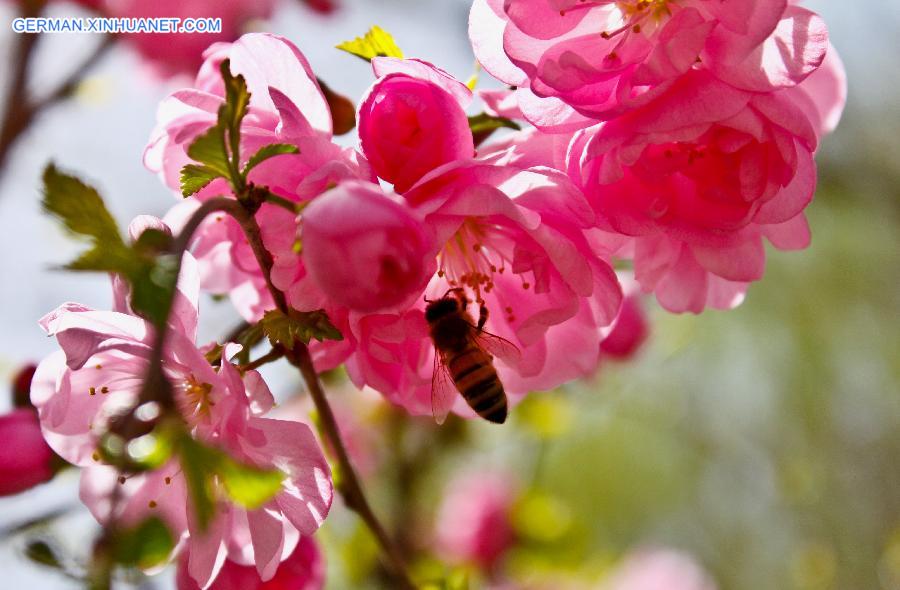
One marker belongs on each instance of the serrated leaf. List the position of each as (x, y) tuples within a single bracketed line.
[(375, 43), (147, 545), (269, 151), (83, 213), (237, 100), (195, 178), (218, 149), (484, 125), (209, 149), (288, 330), (247, 485)]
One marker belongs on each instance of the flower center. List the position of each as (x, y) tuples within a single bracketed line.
[(475, 255), (629, 17), (194, 400)]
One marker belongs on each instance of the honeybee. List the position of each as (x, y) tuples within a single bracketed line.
[(463, 354)]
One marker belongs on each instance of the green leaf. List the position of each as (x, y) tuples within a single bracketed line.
[(195, 460), (194, 178), (41, 552), (376, 43), (218, 149), (237, 100), (248, 338), (483, 126), (247, 485), (209, 149), (288, 330), (147, 545), (269, 151), (83, 213), (152, 286)]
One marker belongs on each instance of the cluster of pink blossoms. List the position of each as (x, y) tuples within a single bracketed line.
[(672, 134)]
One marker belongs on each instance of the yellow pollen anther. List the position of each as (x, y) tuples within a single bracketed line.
[(168, 480), (152, 503), (93, 390), (104, 389)]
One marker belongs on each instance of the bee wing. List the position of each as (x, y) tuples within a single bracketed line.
[(443, 391), (498, 347)]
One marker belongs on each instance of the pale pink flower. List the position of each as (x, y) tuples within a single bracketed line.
[(366, 250), (697, 178), (576, 60), (474, 520), (99, 373), (658, 569), (412, 120), (25, 458), (286, 106), (174, 53), (513, 239), (304, 569)]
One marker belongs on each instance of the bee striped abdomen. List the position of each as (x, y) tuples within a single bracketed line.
[(476, 379)]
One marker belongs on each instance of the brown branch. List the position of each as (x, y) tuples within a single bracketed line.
[(271, 356), (21, 110), (350, 488)]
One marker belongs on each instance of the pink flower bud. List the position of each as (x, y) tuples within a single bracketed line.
[(304, 569), (473, 523), (321, 6), (365, 250), (411, 121), (25, 458), (629, 331), (21, 388)]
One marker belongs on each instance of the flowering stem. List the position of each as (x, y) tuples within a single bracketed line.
[(350, 488), (271, 356), (156, 386)]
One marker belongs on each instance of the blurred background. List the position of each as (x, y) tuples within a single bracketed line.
[(763, 441)]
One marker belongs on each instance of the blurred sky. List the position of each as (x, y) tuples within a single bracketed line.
[(101, 135)]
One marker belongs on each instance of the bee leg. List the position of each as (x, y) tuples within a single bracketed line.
[(482, 316)]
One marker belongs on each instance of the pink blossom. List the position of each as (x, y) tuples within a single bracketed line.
[(304, 569), (697, 178), (98, 374), (25, 458), (365, 250), (182, 52), (630, 330), (513, 239), (658, 569), (412, 120), (474, 522), (576, 59), (286, 106)]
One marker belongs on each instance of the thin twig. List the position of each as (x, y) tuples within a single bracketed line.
[(17, 115), (21, 110), (271, 356)]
